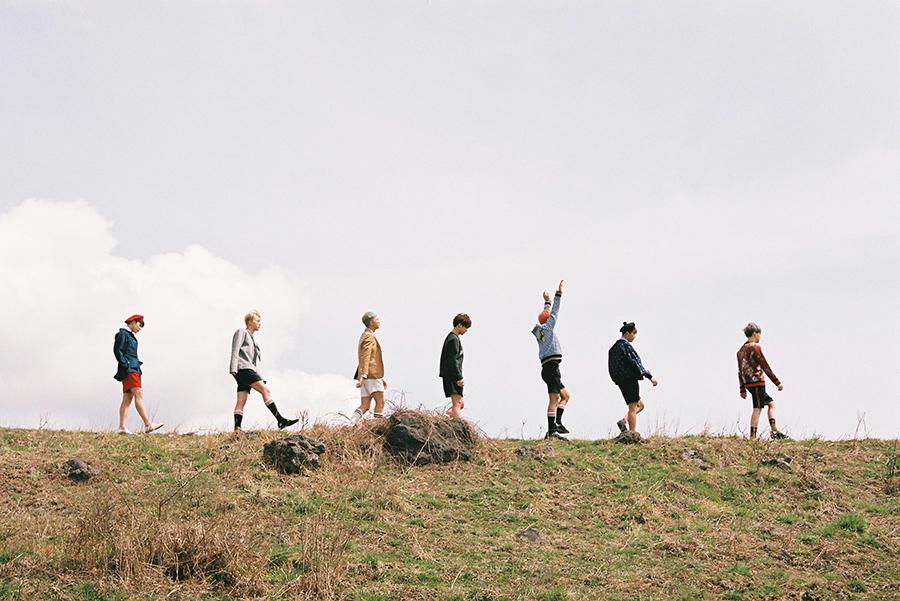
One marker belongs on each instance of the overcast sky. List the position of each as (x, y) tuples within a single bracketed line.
[(690, 166)]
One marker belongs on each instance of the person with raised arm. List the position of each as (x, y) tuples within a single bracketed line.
[(550, 355)]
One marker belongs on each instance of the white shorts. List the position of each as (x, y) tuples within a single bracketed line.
[(371, 385)]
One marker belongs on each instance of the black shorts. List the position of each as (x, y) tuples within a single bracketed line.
[(550, 374), (246, 377), (631, 390), (759, 396), (451, 387)]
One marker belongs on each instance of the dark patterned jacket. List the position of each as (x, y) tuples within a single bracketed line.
[(625, 364)]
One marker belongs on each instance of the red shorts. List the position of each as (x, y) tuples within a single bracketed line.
[(132, 380)]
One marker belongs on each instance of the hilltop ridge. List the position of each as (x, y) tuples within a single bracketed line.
[(202, 517)]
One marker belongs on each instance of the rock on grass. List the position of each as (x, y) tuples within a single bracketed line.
[(294, 454), (420, 438)]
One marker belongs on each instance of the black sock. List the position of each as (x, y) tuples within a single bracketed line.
[(752, 431), (559, 412), (237, 420), (274, 411), (772, 424), (551, 423)]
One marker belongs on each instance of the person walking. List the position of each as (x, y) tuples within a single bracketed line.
[(550, 355), (451, 365), (125, 349), (626, 370), (752, 369), (244, 367), (370, 369)]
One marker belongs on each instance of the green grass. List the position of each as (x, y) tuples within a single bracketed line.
[(615, 522)]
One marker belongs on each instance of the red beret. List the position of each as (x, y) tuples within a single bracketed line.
[(139, 318)]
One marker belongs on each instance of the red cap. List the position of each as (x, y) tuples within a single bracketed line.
[(139, 318), (543, 316)]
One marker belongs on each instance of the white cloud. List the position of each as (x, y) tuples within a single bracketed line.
[(66, 293)]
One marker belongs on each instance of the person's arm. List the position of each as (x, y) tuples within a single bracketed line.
[(366, 351), (741, 379), (765, 365), (458, 359), (636, 362), (554, 312), (119, 349), (236, 342)]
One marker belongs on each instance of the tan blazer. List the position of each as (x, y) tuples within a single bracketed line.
[(371, 364)]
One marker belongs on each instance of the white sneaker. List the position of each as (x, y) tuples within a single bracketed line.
[(356, 417), (124, 431), (152, 428)]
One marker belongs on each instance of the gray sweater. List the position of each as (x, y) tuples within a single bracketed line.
[(244, 352)]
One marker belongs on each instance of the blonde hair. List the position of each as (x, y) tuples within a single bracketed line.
[(251, 315)]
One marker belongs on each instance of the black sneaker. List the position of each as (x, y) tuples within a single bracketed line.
[(561, 428), (282, 424), (780, 436), (555, 436), (622, 425)]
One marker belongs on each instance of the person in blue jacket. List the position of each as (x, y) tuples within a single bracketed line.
[(125, 349), (626, 370), (550, 354)]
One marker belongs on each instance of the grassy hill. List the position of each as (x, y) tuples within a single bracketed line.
[(201, 517)]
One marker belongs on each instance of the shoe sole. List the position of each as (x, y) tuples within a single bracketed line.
[(153, 429)]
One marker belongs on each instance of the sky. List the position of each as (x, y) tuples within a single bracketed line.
[(689, 166)]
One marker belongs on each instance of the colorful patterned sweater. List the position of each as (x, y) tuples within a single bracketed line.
[(751, 366)]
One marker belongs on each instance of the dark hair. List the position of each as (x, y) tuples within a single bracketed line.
[(627, 326), (462, 320), (751, 328)]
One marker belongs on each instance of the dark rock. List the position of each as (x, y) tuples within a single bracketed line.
[(420, 439), (293, 454), (79, 471), (809, 596), (530, 534), (781, 461), (628, 437)]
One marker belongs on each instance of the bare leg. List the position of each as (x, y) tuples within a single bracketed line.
[(552, 403), (379, 403), (139, 404), (631, 418), (241, 402), (364, 404), (456, 405), (564, 397), (754, 417), (123, 408), (771, 412), (262, 389)]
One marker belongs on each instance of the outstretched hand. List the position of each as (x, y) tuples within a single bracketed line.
[(560, 285), (780, 387), (546, 296)]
